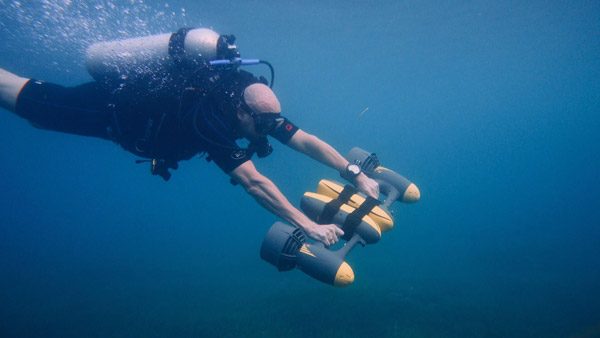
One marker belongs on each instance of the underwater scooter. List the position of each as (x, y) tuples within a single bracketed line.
[(362, 218)]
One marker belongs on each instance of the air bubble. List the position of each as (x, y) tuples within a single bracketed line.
[(66, 28)]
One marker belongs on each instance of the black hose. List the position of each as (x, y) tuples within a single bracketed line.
[(272, 72)]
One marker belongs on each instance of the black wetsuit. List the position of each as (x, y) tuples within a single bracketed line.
[(152, 126)]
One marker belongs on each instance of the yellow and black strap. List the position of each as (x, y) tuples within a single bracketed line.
[(354, 218)]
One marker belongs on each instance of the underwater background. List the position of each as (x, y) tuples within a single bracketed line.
[(491, 108)]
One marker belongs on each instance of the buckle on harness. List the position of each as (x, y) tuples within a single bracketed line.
[(160, 167)]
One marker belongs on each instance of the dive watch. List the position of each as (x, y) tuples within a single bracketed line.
[(352, 170)]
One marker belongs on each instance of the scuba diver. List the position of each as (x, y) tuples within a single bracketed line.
[(169, 97)]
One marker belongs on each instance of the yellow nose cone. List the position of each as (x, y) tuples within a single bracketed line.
[(344, 275), (412, 194)]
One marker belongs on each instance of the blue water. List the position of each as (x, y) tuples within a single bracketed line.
[(493, 109)]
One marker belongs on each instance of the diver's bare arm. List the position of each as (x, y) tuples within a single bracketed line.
[(317, 149), (271, 198), (10, 87), (321, 151)]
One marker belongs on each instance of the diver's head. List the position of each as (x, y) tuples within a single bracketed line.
[(260, 98), (259, 111)]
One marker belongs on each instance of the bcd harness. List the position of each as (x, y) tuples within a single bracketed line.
[(191, 82)]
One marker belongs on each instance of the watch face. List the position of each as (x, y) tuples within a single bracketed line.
[(353, 169)]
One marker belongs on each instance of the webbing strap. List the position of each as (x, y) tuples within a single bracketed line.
[(356, 216), (177, 45), (335, 204)]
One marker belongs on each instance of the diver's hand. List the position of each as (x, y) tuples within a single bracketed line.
[(327, 233), (367, 185)]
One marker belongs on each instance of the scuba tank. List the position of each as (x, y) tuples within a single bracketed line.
[(164, 59), (154, 58)]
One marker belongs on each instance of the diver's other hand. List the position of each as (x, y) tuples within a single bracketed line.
[(327, 233), (367, 185)]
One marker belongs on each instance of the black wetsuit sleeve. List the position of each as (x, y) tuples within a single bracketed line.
[(228, 158), (284, 131)]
